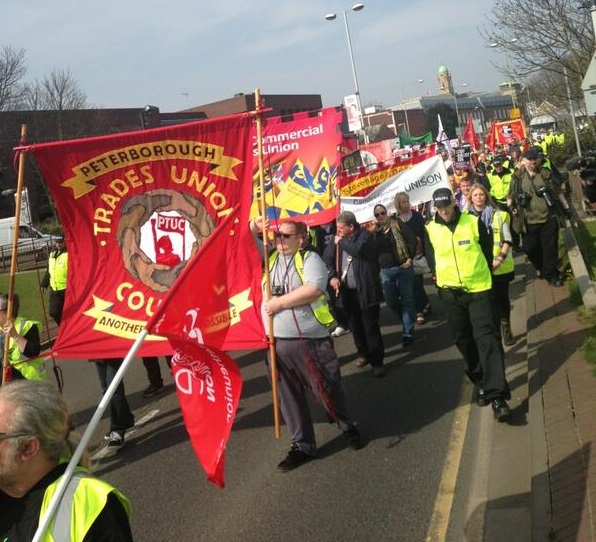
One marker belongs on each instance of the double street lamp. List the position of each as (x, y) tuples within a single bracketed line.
[(332, 17)]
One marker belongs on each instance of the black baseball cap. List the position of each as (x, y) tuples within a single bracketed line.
[(497, 160), (442, 197), (532, 154)]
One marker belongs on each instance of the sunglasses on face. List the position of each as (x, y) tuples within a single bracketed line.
[(380, 213), (280, 235)]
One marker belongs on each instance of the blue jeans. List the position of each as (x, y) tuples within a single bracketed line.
[(398, 286)]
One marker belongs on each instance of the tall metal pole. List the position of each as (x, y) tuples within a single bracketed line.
[(457, 114), (353, 64), (571, 110), (331, 17)]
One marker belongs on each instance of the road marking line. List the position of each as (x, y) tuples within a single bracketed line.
[(145, 419), (439, 523)]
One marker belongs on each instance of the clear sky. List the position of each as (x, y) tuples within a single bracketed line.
[(176, 54)]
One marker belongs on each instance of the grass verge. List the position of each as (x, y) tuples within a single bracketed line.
[(27, 286), (588, 346)]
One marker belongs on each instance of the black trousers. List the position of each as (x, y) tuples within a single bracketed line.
[(364, 324), (541, 245), (500, 293), (56, 304), (476, 335)]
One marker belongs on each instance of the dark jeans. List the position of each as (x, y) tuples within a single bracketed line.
[(476, 334), (121, 418), (364, 323), (541, 245), (338, 312)]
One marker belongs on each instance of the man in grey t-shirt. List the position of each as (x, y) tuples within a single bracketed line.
[(305, 355)]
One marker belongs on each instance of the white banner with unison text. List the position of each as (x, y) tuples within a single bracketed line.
[(419, 182)]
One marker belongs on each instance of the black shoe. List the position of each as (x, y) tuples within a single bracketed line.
[(353, 438), (378, 371), (294, 459), (152, 390), (501, 410), (481, 399), (407, 340)]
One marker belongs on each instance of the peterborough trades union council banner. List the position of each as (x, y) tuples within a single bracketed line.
[(135, 208)]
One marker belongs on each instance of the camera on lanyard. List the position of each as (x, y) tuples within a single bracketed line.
[(277, 290)]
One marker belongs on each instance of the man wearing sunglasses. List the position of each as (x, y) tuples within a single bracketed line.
[(305, 355), (35, 445)]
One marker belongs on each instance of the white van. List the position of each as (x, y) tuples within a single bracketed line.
[(31, 242)]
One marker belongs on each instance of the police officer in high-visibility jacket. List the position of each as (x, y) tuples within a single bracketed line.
[(459, 251), (55, 278), (35, 446), (24, 344)]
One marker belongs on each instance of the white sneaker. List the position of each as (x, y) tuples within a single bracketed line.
[(339, 331), (116, 441)]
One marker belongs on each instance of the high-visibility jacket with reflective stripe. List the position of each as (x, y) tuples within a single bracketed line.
[(319, 306), (459, 260), (30, 368), (83, 500), (507, 265), (58, 269)]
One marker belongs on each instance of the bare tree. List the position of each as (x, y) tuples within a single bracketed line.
[(12, 71), (32, 97), (542, 36), (61, 91)]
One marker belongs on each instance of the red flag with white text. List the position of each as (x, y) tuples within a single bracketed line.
[(195, 317)]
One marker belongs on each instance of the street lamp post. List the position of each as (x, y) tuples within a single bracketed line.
[(332, 17), (403, 99), (509, 76), (457, 110)]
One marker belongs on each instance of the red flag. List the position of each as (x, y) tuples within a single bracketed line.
[(198, 318), (469, 134), (490, 136)]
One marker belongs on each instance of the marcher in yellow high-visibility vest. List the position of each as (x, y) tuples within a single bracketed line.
[(55, 277), (34, 422), (24, 344), (459, 252), (498, 224)]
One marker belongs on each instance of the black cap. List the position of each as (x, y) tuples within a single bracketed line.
[(442, 197), (497, 160), (533, 153)]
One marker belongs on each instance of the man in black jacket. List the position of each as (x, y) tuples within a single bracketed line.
[(354, 276)]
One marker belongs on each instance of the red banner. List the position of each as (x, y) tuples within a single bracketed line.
[(135, 208), (301, 164), (505, 130)]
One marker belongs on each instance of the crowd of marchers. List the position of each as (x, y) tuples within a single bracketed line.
[(324, 282)]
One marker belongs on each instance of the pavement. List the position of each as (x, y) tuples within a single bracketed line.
[(562, 418)]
